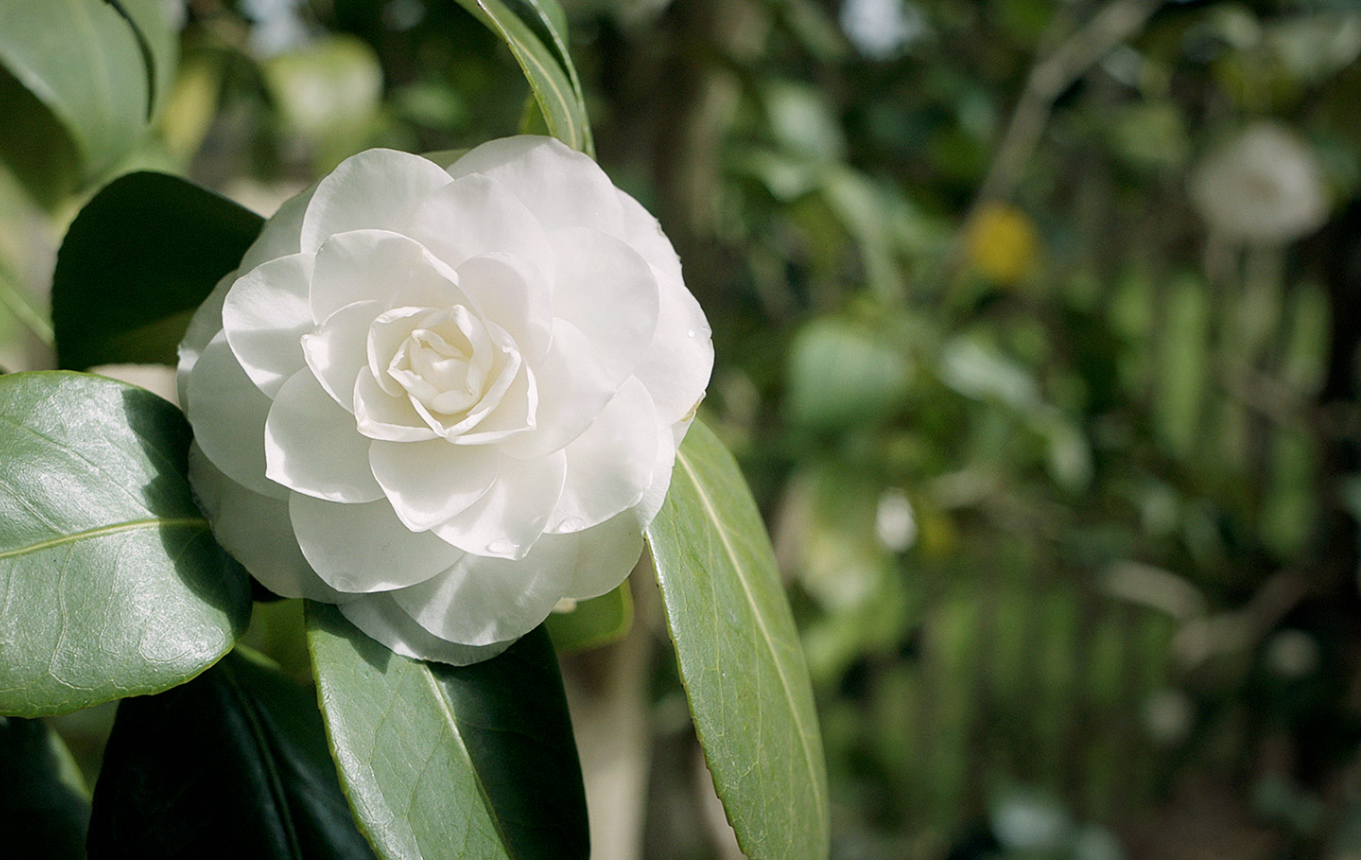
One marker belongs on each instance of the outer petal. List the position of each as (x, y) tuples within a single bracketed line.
[(645, 236), (512, 515), (265, 316), (312, 446), (476, 215), (203, 326), (377, 189), (228, 415), (377, 265), (572, 388), (562, 187), (280, 235), (429, 482), (255, 529), (338, 350), (678, 363), (610, 465), (379, 616), (605, 555), (608, 291), (365, 548), (479, 600)]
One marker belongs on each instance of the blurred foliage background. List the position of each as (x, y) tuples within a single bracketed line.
[(1037, 326)]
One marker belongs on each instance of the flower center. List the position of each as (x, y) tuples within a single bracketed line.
[(444, 363)]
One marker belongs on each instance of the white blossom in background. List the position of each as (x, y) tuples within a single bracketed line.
[(445, 399), (882, 29), (1262, 186)]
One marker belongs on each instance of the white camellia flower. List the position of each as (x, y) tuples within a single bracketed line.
[(445, 399)]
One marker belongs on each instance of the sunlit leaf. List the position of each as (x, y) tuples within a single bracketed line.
[(112, 584), (451, 762), (740, 659)]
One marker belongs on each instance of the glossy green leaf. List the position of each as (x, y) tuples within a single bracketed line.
[(110, 583), (740, 658), (232, 764), (101, 69), (553, 81), (440, 761), (135, 264), (593, 623), (44, 805)]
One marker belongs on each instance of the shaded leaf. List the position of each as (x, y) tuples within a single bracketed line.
[(740, 659), (137, 261), (44, 805), (110, 583), (232, 764), (100, 69), (555, 87), (593, 623), (451, 762)]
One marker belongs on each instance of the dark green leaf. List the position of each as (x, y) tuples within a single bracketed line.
[(100, 70), (111, 583), (232, 764), (44, 806), (137, 261), (452, 762), (740, 658), (593, 623), (554, 86)]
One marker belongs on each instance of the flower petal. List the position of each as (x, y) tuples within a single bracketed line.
[(228, 415), (281, 234), (380, 415), (365, 548), (203, 326), (605, 289), (572, 388), (609, 467), (480, 600), (429, 482), (475, 215), (605, 555), (512, 515), (379, 616), (338, 350), (514, 296), (256, 531), (312, 446), (377, 189), (680, 359), (265, 315), (377, 265), (562, 187)]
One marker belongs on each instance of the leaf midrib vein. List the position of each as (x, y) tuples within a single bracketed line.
[(712, 512), (104, 531)]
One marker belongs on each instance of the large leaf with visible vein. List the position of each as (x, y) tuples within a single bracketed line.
[(473, 762), (44, 805), (549, 71), (138, 260), (232, 764), (110, 583), (740, 658), (96, 70)]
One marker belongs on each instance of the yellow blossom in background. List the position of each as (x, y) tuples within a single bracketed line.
[(1002, 243)]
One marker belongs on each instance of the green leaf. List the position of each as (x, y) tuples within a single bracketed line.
[(593, 623), (553, 81), (137, 261), (740, 660), (110, 583), (101, 69), (232, 764), (441, 761), (44, 805)]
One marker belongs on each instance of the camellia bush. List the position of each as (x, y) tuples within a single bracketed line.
[(445, 400)]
